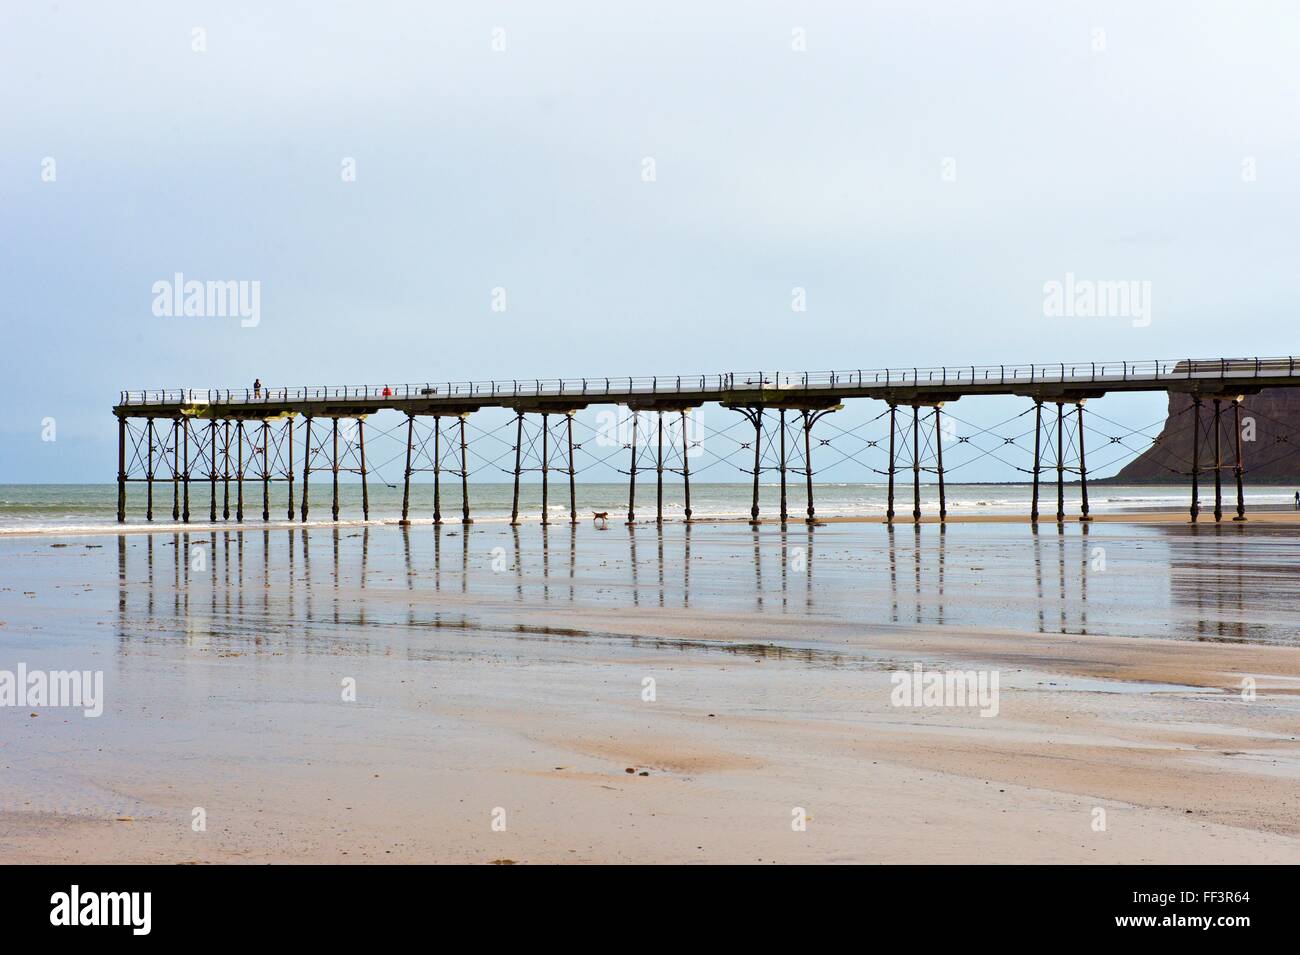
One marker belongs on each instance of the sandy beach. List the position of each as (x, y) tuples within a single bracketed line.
[(500, 708)]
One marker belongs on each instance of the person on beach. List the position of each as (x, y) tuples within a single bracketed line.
[(257, 387), (1297, 500)]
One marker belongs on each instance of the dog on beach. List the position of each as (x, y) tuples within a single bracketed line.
[(601, 516)]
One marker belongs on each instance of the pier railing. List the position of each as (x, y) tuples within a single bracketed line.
[(947, 376)]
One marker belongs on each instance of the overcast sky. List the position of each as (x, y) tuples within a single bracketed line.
[(921, 169)]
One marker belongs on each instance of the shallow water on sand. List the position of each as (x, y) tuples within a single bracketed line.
[(370, 587)]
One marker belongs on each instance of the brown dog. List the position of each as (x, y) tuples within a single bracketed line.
[(602, 516)]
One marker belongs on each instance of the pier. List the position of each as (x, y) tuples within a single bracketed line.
[(229, 438)]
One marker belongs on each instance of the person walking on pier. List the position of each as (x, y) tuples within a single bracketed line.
[(257, 387), (388, 393)]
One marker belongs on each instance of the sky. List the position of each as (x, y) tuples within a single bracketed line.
[(920, 170)]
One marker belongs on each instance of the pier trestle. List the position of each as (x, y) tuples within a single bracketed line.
[(545, 455), (926, 446), (677, 447), (1067, 443), (1214, 426), (810, 410)]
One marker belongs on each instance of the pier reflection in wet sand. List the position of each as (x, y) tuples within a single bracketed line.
[(1223, 583)]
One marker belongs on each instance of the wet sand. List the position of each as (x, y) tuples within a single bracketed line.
[(1178, 517), (504, 670)]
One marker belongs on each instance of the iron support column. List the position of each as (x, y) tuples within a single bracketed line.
[(785, 510), (938, 451), (464, 477), (546, 468), (289, 435), (631, 485), (266, 470), (1196, 458), (807, 462), (1218, 462), (519, 448), (573, 490), (659, 470), (406, 478), (148, 507), (1237, 464), (185, 453), (1060, 463), (686, 467), (176, 469), (1083, 466), (437, 469), (225, 471), (239, 471), (121, 469), (365, 487), (306, 469), (758, 452), (889, 511), (916, 465), (212, 471), (1038, 435), (334, 466)]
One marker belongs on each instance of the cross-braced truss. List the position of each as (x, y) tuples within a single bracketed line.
[(438, 448), (542, 445), (776, 447)]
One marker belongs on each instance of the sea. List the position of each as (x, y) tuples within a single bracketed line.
[(68, 508)]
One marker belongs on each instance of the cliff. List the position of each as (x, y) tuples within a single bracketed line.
[(1271, 418)]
